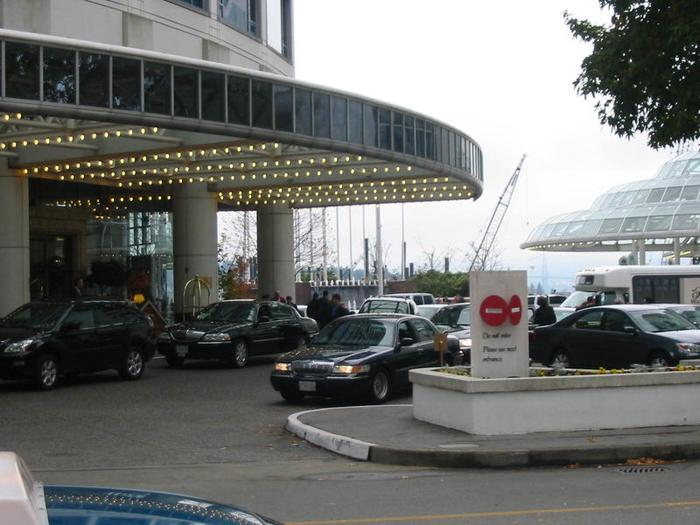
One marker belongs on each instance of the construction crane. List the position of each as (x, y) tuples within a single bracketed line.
[(499, 212)]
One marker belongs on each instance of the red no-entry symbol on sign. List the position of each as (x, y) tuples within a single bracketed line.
[(494, 310)]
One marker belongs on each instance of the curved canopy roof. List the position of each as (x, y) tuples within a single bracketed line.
[(120, 126), (656, 211)]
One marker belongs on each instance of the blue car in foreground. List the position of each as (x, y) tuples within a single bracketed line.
[(23, 501)]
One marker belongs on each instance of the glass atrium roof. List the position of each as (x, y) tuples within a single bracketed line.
[(655, 210)]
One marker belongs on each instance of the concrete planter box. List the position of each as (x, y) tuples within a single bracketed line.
[(562, 403)]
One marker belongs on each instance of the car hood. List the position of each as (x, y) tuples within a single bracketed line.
[(682, 336), (460, 333), (336, 354), (78, 505), (208, 326)]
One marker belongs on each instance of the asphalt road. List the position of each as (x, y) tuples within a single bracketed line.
[(218, 433)]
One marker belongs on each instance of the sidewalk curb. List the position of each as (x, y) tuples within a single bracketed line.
[(495, 458), (343, 445)]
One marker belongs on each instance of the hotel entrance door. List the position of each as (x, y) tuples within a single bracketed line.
[(51, 266)]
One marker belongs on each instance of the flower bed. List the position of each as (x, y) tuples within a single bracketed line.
[(557, 400)]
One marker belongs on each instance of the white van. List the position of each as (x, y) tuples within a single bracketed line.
[(641, 284), (418, 298)]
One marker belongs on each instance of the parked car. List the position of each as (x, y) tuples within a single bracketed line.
[(690, 311), (616, 337), (24, 501), (234, 330), (429, 310), (362, 355), (386, 305), (45, 340), (416, 297), (455, 319)]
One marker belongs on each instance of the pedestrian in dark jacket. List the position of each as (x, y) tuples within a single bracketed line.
[(338, 309), (312, 307), (544, 314), (324, 310)]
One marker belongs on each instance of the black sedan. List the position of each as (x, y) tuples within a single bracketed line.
[(456, 320), (234, 330), (363, 355), (616, 337)]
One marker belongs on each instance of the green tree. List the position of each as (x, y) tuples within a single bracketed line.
[(643, 70), (442, 284)]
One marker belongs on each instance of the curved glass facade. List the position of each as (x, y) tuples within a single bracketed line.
[(663, 207), (165, 89)]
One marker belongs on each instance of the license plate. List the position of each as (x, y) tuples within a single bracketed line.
[(307, 386), (181, 350)]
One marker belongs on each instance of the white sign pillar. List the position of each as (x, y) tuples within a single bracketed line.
[(499, 324)]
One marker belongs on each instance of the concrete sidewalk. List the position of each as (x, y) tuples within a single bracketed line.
[(389, 434)]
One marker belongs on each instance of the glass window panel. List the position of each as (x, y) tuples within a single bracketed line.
[(672, 194), (640, 196), (94, 79), (398, 131), (21, 70), (547, 230), (274, 24), (429, 141), (239, 100), (627, 198), (445, 159), (213, 100), (355, 121), (322, 115), (59, 75), (384, 128), (283, 108), (693, 167), (633, 224), (615, 199), (186, 92), (156, 87), (420, 138), (658, 223), (575, 227), (339, 112), (655, 194), (241, 14), (409, 138), (590, 228), (610, 226), (370, 126), (559, 229), (262, 104), (302, 111), (690, 193), (126, 83), (686, 222)]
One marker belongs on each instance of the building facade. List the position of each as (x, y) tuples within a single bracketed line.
[(127, 124)]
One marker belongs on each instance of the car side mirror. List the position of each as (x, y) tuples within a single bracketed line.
[(70, 327), (630, 330), (407, 341)]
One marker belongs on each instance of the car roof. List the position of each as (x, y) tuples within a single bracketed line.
[(386, 316), (628, 307)]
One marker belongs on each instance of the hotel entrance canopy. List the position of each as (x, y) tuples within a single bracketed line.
[(119, 127)]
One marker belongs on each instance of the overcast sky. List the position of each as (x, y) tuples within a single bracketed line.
[(500, 71)]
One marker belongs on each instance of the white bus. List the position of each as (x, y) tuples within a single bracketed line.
[(641, 284)]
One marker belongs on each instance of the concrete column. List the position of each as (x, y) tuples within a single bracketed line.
[(14, 239), (194, 242), (275, 250), (641, 248), (676, 250)]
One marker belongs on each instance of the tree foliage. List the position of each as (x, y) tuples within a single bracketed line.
[(442, 284), (644, 71)]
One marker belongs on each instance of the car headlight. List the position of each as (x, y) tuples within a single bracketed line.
[(688, 348), (465, 344), (164, 337), (217, 337), (19, 346), (350, 369), (283, 367)]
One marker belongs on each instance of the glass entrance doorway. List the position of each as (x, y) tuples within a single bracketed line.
[(51, 266)]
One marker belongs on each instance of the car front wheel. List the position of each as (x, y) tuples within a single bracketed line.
[(560, 360), (132, 364), (46, 372), (659, 360), (380, 386), (240, 354)]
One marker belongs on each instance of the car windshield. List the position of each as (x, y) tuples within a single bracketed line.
[(691, 313), (575, 299), (453, 318), (661, 321), (357, 332), (227, 312), (384, 306), (35, 315)]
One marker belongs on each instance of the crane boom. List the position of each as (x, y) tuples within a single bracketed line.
[(497, 216)]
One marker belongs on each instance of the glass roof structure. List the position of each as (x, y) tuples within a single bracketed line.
[(656, 211), (124, 125)]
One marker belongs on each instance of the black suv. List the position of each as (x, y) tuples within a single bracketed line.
[(43, 340)]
